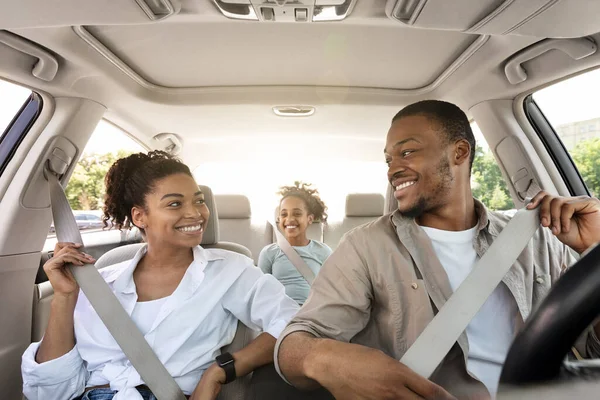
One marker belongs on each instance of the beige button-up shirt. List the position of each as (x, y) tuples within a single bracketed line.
[(384, 283)]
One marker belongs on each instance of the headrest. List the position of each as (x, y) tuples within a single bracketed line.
[(210, 237), (211, 232), (364, 205), (119, 254), (233, 206)]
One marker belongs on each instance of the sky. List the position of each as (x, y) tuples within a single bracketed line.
[(108, 138), (12, 97), (572, 100)]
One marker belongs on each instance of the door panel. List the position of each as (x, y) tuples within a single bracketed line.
[(16, 272)]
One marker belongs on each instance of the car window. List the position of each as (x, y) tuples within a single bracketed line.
[(487, 181), (357, 177), (12, 98), (572, 109), (19, 109), (260, 181), (85, 190)]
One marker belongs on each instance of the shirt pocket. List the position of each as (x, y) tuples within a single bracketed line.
[(415, 312)]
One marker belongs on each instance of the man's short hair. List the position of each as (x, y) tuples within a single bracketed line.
[(453, 120)]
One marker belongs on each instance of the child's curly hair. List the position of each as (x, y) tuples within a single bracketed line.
[(130, 179), (310, 196)]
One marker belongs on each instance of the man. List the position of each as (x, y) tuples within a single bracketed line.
[(384, 283)]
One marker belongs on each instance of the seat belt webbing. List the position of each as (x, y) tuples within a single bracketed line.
[(434, 343), (109, 309), (293, 256)]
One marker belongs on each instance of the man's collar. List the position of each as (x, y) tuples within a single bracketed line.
[(483, 219)]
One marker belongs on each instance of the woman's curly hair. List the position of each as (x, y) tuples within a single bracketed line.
[(130, 179), (310, 196)]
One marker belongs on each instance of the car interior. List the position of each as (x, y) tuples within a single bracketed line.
[(255, 94)]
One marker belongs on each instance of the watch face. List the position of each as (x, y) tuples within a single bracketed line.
[(225, 359), (226, 362)]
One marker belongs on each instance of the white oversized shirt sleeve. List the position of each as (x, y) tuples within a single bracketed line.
[(260, 302), (63, 378)]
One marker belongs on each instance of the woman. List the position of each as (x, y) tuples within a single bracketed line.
[(186, 300), (299, 207)]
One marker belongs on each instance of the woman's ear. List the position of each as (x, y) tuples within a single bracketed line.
[(311, 218), (138, 217)]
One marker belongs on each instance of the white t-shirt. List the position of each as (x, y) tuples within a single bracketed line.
[(144, 313), (491, 332)]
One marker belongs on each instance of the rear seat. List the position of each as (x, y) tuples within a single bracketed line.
[(360, 209), (235, 224)]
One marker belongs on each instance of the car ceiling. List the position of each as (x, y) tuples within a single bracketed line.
[(213, 81)]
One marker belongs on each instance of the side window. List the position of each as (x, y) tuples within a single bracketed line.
[(572, 109), (12, 98), (19, 108), (85, 190), (486, 178)]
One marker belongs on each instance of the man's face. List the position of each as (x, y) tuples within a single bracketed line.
[(418, 165)]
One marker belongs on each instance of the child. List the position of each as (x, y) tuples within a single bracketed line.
[(299, 207)]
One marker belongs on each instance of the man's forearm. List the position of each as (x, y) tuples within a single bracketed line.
[(300, 359)]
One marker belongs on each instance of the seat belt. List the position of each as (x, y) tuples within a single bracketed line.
[(293, 256), (106, 305), (434, 343)]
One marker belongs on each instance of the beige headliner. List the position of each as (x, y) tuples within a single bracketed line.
[(213, 81)]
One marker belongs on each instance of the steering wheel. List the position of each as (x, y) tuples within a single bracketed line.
[(537, 354)]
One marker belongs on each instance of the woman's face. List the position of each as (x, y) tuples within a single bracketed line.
[(175, 212), (294, 217)]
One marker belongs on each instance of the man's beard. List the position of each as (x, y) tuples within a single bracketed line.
[(428, 202)]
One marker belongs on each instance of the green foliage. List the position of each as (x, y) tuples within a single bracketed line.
[(586, 155), (487, 182), (490, 188), (86, 190)]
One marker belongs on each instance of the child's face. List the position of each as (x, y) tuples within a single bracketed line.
[(294, 218)]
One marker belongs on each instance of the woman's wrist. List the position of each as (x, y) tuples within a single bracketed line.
[(242, 364), (216, 373), (62, 301)]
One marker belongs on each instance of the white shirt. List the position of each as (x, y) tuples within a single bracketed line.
[(218, 289), (144, 313), (491, 332)]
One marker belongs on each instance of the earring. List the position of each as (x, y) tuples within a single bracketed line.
[(142, 226)]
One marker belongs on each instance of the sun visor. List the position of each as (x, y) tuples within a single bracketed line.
[(43, 13), (539, 18)]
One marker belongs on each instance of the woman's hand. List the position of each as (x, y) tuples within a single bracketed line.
[(210, 384), (59, 275)]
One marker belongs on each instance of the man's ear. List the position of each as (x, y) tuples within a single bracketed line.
[(138, 217), (462, 152)]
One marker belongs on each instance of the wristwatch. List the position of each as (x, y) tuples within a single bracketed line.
[(227, 362)]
